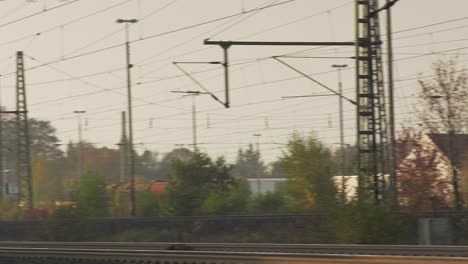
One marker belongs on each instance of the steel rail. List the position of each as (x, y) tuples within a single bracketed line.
[(336, 249), (91, 256)]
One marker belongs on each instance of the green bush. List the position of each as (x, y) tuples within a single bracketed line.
[(267, 203), (224, 203), (365, 223)]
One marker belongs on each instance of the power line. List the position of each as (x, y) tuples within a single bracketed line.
[(431, 53), (151, 36), (244, 18), (211, 136), (251, 85), (421, 55), (248, 104), (102, 89), (431, 25), (120, 29), (9, 12), (298, 20), (243, 37), (38, 13), (254, 11)]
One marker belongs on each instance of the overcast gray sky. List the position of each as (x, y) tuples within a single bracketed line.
[(95, 82)]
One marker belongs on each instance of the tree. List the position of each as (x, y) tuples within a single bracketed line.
[(92, 199), (249, 164), (308, 166), (149, 204), (220, 202), (47, 181), (145, 165), (444, 108), (276, 170), (422, 187), (350, 166), (103, 161), (43, 140), (191, 182), (268, 203), (444, 104), (164, 168)]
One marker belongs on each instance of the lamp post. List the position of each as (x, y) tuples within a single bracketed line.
[(80, 142), (340, 101), (257, 173), (194, 115), (131, 154)]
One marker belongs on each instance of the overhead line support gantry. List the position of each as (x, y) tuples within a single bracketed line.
[(23, 151), (370, 95)]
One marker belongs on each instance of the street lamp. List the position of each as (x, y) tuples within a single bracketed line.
[(257, 174), (194, 115), (80, 143), (340, 98), (130, 123)]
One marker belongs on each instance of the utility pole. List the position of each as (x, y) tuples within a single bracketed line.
[(2, 186), (80, 143), (123, 150), (23, 165), (391, 108), (194, 124), (257, 174), (340, 98), (130, 120), (193, 94)]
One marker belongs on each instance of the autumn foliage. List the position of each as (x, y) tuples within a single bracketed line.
[(422, 185)]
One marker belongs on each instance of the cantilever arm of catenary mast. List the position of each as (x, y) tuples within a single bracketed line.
[(199, 84), (317, 82), (386, 6)]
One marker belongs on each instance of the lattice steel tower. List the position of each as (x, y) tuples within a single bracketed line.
[(371, 111), (23, 163)]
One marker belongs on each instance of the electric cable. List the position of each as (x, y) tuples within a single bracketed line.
[(38, 13), (242, 19)]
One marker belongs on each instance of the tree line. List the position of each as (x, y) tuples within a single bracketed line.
[(202, 185)]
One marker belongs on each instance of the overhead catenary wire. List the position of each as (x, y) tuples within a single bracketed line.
[(223, 135), (212, 21), (247, 104), (171, 77), (15, 9), (92, 52), (251, 85), (91, 84), (121, 29), (267, 3), (287, 56), (37, 13), (151, 36), (287, 79), (243, 37)]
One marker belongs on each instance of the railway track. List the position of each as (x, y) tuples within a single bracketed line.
[(113, 256), (334, 249)]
